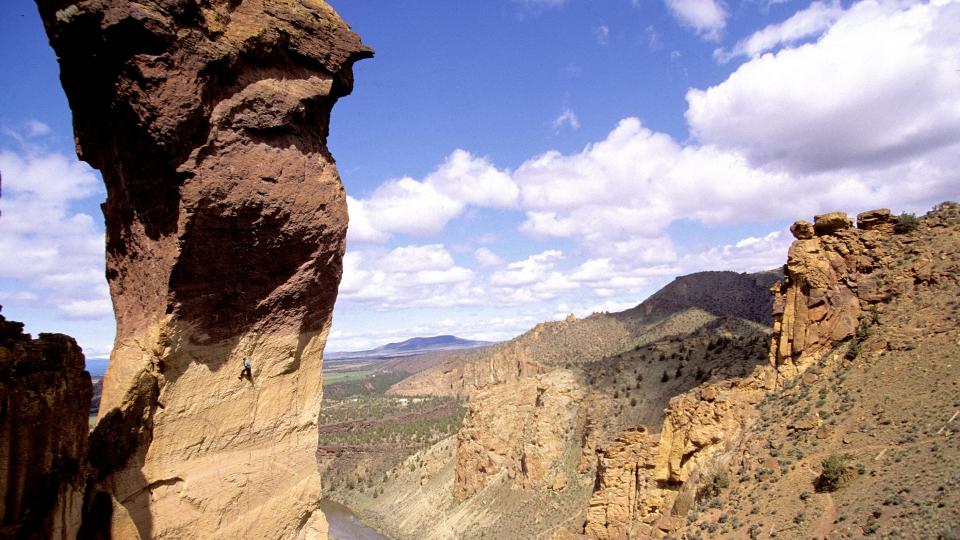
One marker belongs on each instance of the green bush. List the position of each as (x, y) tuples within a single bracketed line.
[(714, 486), (906, 223), (834, 472)]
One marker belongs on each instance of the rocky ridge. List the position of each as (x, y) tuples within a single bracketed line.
[(840, 283), (225, 226), (728, 431), (681, 307)]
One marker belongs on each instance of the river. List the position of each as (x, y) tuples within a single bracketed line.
[(344, 524)]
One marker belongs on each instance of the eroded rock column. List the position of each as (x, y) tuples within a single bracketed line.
[(44, 407), (831, 276), (226, 223)]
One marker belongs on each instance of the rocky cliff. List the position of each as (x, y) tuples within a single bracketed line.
[(833, 274), (44, 401), (225, 225), (521, 429)]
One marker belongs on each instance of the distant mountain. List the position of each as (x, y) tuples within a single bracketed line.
[(412, 346), (719, 293), (678, 309)]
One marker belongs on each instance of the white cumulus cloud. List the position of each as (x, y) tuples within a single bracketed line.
[(487, 258), (533, 269), (879, 87), (424, 207), (53, 253), (407, 276), (751, 254), (416, 259), (804, 24)]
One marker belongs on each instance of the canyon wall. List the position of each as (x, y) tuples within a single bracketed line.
[(44, 404), (225, 230), (546, 345), (522, 429)]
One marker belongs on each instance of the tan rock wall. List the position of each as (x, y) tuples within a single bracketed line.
[(698, 424), (522, 430), (626, 491)]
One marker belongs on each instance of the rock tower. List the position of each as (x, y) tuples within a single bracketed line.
[(225, 230)]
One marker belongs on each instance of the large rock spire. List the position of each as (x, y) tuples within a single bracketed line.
[(226, 222)]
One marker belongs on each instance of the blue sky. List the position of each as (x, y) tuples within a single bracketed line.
[(511, 161)]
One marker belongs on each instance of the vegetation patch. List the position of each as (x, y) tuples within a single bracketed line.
[(363, 434), (717, 483), (906, 223), (835, 472)]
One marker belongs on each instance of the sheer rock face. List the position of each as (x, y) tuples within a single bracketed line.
[(226, 222), (625, 490), (44, 405), (644, 479), (522, 429)]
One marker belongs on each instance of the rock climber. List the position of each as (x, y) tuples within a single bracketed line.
[(246, 369)]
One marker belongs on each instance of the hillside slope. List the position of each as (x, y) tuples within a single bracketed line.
[(719, 293), (524, 461), (851, 430)]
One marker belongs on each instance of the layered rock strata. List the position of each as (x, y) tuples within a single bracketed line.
[(225, 226), (44, 401)]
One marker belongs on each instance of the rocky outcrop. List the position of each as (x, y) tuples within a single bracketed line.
[(697, 424), (645, 481), (44, 404), (523, 430), (225, 225), (832, 276)]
